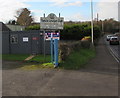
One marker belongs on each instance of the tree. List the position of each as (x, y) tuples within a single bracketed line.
[(24, 17), (11, 22), (109, 25)]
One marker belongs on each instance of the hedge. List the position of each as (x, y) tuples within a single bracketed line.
[(78, 31)]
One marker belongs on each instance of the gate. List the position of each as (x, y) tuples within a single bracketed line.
[(35, 44)]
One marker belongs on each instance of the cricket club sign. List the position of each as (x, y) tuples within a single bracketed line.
[(51, 22)]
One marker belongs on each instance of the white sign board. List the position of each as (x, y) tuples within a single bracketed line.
[(25, 39), (51, 22), (54, 35)]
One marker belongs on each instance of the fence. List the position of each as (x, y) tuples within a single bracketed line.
[(24, 42)]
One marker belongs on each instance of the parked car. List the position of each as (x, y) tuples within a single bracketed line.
[(108, 37), (117, 34), (114, 40)]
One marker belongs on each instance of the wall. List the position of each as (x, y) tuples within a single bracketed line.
[(5, 42)]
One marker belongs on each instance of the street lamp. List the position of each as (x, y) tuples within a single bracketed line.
[(92, 21)]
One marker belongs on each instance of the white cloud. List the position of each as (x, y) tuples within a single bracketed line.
[(68, 0), (65, 3), (107, 10), (76, 17), (8, 9), (35, 14), (76, 3), (37, 11), (107, 0)]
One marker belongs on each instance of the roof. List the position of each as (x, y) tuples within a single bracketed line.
[(3, 27)]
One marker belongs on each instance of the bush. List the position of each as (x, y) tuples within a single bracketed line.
[(33, 27), (78, 31), (85, 44), (67, 48)]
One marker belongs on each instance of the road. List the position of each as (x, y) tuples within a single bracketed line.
[(99, 78), (114, 50)]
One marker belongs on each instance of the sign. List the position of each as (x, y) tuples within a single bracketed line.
[(35, 38), (25, 39), (54, 35), (51, 22)]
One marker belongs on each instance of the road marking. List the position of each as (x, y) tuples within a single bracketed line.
[(112, 53)]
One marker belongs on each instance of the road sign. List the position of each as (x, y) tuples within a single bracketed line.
[(51, 22), (54, 35)]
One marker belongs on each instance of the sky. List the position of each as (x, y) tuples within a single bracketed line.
[(71, 10)]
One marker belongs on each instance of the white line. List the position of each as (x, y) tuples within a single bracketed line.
[(112, 53)]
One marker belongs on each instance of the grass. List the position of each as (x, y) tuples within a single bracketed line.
[(41, 59), (22, 57), (15, 57), (78, 59), (42, 63), (0, 56), (36, 67)]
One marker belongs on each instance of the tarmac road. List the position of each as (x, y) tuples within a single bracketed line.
[(99, 78), (114, 50)]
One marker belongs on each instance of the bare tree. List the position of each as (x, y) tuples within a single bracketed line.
[(24, 17)]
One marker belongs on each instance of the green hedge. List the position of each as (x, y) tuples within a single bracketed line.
[(33, 27), (78, 31)]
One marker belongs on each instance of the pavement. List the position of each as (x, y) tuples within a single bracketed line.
[(99, 78)]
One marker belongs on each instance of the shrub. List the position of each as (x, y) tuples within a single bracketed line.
[(78, 31), (33, 27), (67, 48), (85, 44)]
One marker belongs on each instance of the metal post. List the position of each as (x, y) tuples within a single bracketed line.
[(56, 52), (103, 27), (51, 47), (44, 46), (92, 21)]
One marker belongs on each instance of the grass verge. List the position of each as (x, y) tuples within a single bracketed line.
[(78, 59), (75, 61), (36, 67), (41, 59)]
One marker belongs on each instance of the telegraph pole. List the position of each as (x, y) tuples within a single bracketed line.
[(92, 22)]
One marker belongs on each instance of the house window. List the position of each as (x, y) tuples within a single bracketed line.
[(14, 39)]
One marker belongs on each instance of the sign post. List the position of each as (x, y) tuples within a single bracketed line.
[(56, 52), (44, 46), (52, 59), (52, 23)]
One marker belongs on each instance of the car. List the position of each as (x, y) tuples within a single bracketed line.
[(108, 37), (114, 40), (117, 34)]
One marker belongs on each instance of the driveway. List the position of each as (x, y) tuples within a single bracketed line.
[(99, 78)]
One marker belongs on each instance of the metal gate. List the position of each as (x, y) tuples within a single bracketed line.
[(35, 44)]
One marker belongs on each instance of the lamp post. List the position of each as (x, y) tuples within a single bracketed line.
[(92, 22)]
